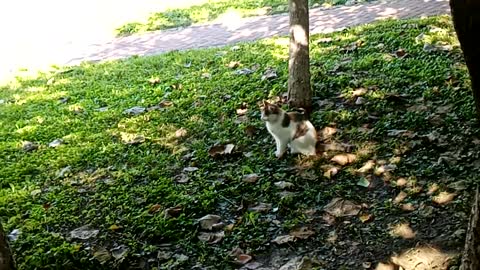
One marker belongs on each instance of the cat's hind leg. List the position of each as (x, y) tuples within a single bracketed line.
[(304, 145)]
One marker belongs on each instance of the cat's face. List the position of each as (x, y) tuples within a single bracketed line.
[(270, 112)]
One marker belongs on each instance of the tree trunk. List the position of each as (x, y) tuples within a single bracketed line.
[(299, 92), (6, 259), (471, 253), (466, 20)]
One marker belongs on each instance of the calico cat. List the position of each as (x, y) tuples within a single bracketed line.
[(289, 129)]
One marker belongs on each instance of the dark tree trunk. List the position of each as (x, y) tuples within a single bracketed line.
[(299, 92), (471, 256), (6, 259), (466, 19)]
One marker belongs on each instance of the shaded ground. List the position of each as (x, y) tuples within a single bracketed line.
[(134, 169)]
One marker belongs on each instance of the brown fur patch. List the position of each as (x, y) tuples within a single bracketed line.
[(302, 129)]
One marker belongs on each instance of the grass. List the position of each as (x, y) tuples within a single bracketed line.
[(417, 114), (212, 10)]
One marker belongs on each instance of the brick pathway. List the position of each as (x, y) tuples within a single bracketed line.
[(210, 35), (238, 30)]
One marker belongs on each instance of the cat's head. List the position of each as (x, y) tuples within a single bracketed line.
[(270, 112)]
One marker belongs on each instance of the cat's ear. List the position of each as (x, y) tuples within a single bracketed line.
[(265, 103)]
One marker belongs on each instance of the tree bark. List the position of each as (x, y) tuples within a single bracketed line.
[(471, 256), (6, 259), (466, 20), (299, 92)]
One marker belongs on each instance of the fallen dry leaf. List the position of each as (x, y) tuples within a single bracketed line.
[(181, 178), (164, 255), (270, 73), (261, 207), (396, 132), (324, 40), (243, 71), (417, 108), (84, 233), (365, 217), (132, 139), (400, 197), (400, 53), (444, 109), (329, 171), (135, 110), (282, 239), (444, 197), (384, 168), (407, 207), (190, 169), (302, 233), (102, 255), (229, 227), (211, 237), (367, 167), (339, 207), (221, 150), (332, 237), (287, 194), (403, 230), (250, 178), (241, 111), (180, 133), (298, 263), (432, 188), (360, 101), (115, 227), (55, 143), (359, 92), (253, 265), (243, 259), (210, 222), (344, 159), (327, 132), (240, 257), (283, 184), (233, 64), (154, 80), (173, 211), (119, 253), (423, 258), (401, 182), (154, 208), (29, 146)]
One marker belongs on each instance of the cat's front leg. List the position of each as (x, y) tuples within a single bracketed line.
[(281, 148)]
